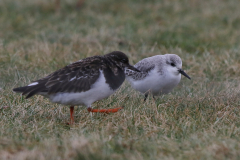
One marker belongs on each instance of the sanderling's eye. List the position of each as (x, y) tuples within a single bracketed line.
[(172, 64)]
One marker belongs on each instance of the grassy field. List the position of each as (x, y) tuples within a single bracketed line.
[(200, 119)]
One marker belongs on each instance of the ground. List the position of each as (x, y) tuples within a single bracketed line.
[(199, 119)]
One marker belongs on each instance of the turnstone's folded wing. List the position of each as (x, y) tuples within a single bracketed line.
[(76, 77)]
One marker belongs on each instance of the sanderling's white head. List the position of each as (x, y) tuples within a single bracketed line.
[(173, 64)]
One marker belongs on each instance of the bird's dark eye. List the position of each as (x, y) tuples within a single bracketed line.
[(172, 64), (124, 60)]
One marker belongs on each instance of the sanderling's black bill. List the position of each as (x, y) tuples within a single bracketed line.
[(183, 73)]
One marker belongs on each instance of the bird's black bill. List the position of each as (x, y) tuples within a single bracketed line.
[(183, 73), (132, 68)]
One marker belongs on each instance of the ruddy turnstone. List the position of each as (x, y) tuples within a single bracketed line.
[(83, 82), (159, 74)]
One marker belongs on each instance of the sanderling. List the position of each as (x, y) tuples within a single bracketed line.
[(83, 82), (159, 74)]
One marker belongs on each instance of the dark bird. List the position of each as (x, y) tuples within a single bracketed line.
[(82, 82)]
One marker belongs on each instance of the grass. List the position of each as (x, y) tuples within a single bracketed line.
[(199, 120)]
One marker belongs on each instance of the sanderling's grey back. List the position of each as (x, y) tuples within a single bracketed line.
[(159, 74)]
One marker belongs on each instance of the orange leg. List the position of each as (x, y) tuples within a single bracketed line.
[(71, 114), (104, 110)]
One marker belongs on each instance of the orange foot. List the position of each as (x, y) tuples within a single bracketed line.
[(105, 110)]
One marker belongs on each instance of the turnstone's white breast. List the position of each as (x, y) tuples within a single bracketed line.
[(82, 82), (159, 74)]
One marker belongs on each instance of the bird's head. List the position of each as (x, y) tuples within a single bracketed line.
[(174, 65), (121, 60)]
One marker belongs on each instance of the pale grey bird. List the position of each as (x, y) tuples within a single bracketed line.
[(159, 74)]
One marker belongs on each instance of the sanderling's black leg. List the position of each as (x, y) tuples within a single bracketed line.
[(145, 96)]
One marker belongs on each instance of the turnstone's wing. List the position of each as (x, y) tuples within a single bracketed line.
[(76, 77)]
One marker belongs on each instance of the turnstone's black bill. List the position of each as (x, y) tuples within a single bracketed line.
[(159, 74), (83, 82)]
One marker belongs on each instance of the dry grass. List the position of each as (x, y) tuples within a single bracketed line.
[(199, 120)]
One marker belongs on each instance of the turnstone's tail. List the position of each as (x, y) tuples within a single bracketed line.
[(30, 90), (20, 89)]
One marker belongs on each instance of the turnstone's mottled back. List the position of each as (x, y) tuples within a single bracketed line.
[(159, 74), (83, 82)]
